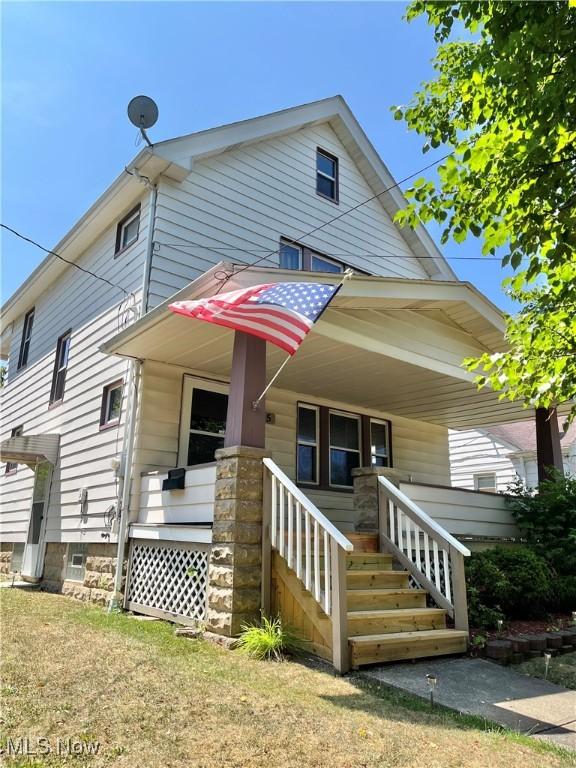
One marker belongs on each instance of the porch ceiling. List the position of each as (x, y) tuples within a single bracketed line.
[(389, 345)]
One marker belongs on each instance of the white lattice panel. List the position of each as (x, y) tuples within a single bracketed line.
[(167, 578)]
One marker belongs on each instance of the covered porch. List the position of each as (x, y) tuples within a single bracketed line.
[(372, 392)]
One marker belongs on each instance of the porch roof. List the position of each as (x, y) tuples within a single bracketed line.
[(30, 449), (393, 345)]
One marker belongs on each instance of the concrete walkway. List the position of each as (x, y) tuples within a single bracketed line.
[(478, 687)]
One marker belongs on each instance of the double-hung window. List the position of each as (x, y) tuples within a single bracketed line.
[(295, 256), (327, 175), (12, 466), (127, 231), (60, 368), (26, 337), (307, 441), (332, 443)]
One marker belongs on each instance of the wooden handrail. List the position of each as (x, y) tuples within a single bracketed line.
[(425, 521), (312, 547), (308, 506), (431, 554)]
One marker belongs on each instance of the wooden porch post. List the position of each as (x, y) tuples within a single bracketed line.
[(548, 450), (244, 425)]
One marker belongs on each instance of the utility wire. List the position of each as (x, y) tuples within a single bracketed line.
[(128, 294), (296, 240)]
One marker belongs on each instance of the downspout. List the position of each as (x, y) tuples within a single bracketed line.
[(133, 388)]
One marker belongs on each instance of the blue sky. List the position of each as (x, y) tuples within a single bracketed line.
[(70, 68)]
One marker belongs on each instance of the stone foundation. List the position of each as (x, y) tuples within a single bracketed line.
[(98, 583), (5, 556), (235, 569), (366, 495)]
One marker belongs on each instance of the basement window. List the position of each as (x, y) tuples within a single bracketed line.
[(127, 231), (76, 561), (17, 558)]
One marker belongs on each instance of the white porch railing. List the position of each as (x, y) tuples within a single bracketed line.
[(433, 556), (312, 547)]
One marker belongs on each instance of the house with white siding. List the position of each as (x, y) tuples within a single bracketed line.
[(130, 433), (494, 458)]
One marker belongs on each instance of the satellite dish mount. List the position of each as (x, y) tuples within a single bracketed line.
[(143, 113)]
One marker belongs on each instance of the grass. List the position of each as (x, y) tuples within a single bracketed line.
[(154, 700), (562, 669)]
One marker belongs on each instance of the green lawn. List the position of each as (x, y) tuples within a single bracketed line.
[(153, 700)]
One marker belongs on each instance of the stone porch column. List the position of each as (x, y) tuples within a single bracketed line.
[(366, 494), (235, 568)]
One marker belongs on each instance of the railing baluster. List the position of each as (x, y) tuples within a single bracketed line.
[(308, 552), (447, 588), (290, 526), (392, 522), (281, 546), (417, 533), (436, 565), (316, 562), (427, 555), (408, 537), (298, 540), (274, 512), (326, 573), (399, 516)]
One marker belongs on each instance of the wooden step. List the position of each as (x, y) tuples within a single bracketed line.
[(391, 622), (363, 542), (368, 561), (385, 599), (374, 649), (377, 579)]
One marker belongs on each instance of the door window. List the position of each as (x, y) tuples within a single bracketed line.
[(207, 424)]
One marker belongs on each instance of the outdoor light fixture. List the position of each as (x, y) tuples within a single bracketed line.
[(547, 656), (500, 624), (574, 618), (431, 681)]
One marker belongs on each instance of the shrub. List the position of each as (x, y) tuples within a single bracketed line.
[(563, 598), (270, 639), (507, 583), (547, 519)]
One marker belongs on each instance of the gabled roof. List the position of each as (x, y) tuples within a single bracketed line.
[(176, 157), (522, 434)]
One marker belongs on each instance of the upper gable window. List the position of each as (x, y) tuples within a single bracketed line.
[(26, 337), (128, 229), (327, 175)]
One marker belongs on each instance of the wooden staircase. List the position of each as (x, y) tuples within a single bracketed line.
[(388, 621)]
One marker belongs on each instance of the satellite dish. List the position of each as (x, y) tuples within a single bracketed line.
[(142, 112)]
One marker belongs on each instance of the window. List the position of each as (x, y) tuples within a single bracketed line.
[(485, 482), (17, 558), (294, 256), (26, 336), (330, 444), (127, 232), (327, 175), (307, 445), (379, 443), (204, 433), (60, 368), (76, 562), (111, 404), (344, 448), (12, 466)]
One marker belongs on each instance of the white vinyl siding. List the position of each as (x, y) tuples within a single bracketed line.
[(473, 452), (75, 300), (248, 198)]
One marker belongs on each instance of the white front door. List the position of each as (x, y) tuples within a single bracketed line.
[(33, 558)]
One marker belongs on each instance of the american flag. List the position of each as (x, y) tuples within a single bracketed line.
[(281, 313)]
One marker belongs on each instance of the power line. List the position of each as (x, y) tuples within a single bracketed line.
[(185, 248), (339, 216), (128, 294)]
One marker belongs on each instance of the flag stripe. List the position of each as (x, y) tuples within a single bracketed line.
[(246, 322)]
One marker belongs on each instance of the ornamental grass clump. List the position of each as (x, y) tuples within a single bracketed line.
[(270, 639)]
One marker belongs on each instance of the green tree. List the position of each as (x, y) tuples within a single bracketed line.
[(504, 103)]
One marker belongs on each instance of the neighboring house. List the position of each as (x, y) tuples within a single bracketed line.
[(492, 459), (109, 393)]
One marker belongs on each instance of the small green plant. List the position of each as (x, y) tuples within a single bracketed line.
[(270, 639)]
